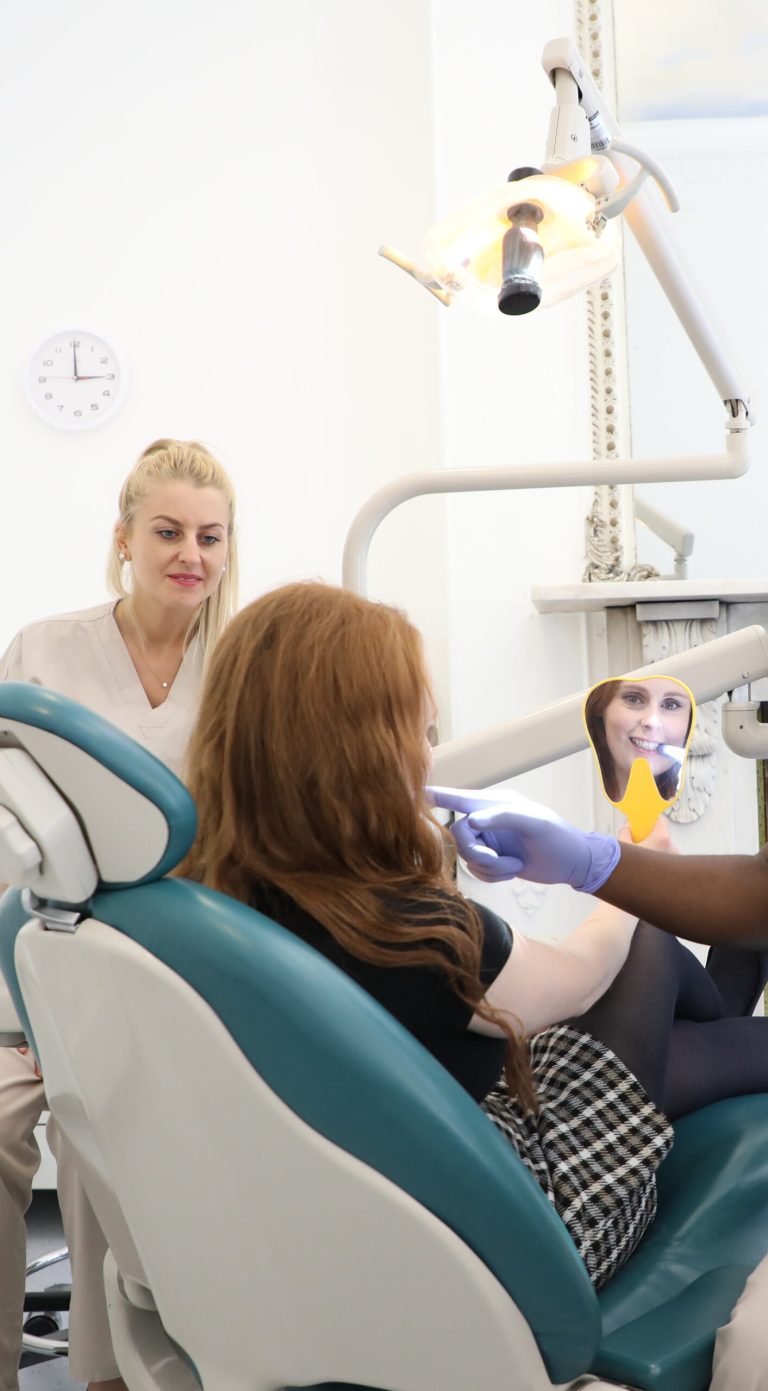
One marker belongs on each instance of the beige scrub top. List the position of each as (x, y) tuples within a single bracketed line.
[(83, 656)]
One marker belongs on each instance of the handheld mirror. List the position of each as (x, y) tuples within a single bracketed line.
[(640, 731)]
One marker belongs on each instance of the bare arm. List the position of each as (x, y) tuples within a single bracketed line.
[(541, 983), (720, 899)]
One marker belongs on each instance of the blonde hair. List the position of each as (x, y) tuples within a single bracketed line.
[(307, 765), (185, 461)]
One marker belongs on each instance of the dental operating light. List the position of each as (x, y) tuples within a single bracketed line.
[(544, 235), (527, 242)]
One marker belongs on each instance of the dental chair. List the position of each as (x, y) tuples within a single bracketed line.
[(294, 1193)]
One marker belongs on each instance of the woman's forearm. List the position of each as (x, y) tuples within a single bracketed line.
[(721, 899), (543, 983)]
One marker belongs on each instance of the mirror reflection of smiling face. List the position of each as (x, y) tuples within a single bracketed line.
[(640, 719)]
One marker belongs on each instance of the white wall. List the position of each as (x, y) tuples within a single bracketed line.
[(207, 186), (719, 169), (676, 409)]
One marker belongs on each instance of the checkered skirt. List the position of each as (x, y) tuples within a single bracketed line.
[(594, 1146)]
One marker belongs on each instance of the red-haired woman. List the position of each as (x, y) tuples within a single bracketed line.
[(308, 764)]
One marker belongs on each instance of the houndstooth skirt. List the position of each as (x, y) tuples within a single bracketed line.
[(594, 1146)]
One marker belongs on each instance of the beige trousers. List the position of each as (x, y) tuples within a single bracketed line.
[(22, 1099)]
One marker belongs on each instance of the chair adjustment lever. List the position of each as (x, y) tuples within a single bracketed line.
[(53, 919)]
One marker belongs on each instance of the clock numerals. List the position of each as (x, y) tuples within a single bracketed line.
[(74, 380)]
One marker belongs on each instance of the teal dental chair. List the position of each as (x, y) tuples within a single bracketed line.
[(294, 1193)]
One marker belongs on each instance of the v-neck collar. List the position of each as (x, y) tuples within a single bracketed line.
[(124, 673)]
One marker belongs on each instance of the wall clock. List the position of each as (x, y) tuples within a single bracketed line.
[(75, 380)]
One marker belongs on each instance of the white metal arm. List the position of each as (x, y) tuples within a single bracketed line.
[(679, 538), (564, 65), (651, 232), (732, 464), (517, 746)]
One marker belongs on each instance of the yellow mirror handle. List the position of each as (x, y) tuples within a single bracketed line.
[(642, 803)]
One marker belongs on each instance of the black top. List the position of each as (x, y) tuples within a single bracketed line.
[(421, 997)]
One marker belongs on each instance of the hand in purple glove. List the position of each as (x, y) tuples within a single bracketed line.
[(499, 843)]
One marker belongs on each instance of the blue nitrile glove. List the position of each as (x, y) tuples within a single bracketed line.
[(498, 842)]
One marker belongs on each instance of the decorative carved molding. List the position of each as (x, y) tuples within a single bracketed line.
[(529, 897), (605, 540), (664, 639)]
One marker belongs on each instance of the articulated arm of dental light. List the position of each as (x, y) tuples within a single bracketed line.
[(589, 473), (581, 124), (565, 67), (517, 746), (679, 538), (743, 731), (579, 127)]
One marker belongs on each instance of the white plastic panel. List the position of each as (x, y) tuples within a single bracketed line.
[(65, 867), (126, 832), (274, 1257)]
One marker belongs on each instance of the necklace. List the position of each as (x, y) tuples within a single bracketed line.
[(151, 669), (134, 642)]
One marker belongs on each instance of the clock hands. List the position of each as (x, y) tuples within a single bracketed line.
[(79, 377), (62, 377), (58, 367)]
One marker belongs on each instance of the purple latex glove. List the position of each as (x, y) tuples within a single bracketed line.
[(500, 842)]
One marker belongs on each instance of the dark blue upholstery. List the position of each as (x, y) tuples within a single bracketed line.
[(690, 1268)]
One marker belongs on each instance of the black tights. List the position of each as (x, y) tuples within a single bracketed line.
[(685, 1030)]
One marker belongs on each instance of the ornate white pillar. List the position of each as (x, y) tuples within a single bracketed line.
[(610, 534)]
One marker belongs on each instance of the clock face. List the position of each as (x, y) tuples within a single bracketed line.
[(75, 380)]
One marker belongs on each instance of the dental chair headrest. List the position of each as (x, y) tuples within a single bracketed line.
[(82, 806)]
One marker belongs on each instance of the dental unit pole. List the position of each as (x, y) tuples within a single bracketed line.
[(517, 746), (582, 127)]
